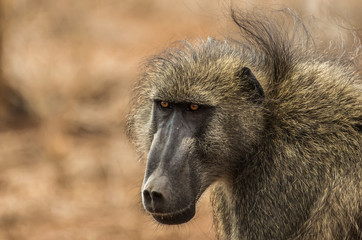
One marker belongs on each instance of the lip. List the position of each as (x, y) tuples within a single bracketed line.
[(178, 217)]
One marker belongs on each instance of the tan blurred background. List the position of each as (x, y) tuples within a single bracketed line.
[(66, 169)]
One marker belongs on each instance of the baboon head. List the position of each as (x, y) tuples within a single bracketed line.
[(197, 114)]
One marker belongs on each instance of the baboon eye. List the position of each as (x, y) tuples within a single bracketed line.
[(194, 107), (164, 104)]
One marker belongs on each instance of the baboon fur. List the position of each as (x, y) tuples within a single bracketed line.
[(287, 166)]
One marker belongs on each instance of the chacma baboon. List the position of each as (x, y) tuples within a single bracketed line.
[(270, 121)]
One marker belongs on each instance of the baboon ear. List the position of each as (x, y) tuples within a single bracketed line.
[(252, 84)]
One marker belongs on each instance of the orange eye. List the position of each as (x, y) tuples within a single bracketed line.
[(194, 106), (164, 104)]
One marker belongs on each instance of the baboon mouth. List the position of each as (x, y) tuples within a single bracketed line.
[(177, 217)]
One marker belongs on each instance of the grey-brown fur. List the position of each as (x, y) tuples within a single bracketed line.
[(284, 167)]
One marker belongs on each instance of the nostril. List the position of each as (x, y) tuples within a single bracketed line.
[(156, 196), (147, 196)]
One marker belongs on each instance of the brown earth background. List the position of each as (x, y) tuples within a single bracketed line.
[(67, 170)]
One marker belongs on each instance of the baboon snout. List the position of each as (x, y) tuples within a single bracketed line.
[(155, 193), (167, 205)]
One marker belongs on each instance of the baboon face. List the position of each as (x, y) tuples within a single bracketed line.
[(172, 182), (194, 119)]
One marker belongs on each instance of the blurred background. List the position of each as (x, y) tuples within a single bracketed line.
[(67, 170)]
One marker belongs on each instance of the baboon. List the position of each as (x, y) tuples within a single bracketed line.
[(272, 123)]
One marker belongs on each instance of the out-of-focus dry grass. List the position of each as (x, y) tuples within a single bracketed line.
[(74, 175)]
